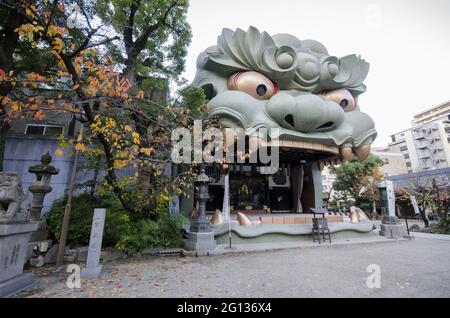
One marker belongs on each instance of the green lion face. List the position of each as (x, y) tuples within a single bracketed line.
[(255, 80)]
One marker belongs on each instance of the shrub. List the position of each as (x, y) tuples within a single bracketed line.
[(131, 236), (81, 219), (144, 234)]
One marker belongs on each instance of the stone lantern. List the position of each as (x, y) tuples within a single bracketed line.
[(41, 185), (39, 188), (201, 236)]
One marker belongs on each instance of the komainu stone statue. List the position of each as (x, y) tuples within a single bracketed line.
[(255, 80), (15, 230), (13, 205)]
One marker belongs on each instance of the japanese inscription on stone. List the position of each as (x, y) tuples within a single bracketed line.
[(95, 242)]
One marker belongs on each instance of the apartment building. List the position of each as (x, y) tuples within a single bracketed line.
[(393, 159), (426, 145)]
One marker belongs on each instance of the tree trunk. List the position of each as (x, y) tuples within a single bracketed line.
[(140, 124), (424, 217)]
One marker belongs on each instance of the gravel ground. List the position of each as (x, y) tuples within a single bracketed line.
[(416, 268)]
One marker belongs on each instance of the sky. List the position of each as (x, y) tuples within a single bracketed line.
[(406, 42)]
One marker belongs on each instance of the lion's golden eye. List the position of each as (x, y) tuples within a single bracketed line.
[(253, 83), (342, 97)]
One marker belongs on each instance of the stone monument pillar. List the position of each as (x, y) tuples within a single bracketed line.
[(201, 235), (93, 267), (15, 230), (39, 188), (391, 227)]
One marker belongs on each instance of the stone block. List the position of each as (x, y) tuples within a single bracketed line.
[(37, 261), (52, 254), (394, 231), (266, 219), (13, 248), (42, 232), (299, 219), (91, 272), (289, 219), (70, 258), (308, 219), (16, 284), (200, 241), (278, 220)]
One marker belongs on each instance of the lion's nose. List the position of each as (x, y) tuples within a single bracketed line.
[(305, 113)]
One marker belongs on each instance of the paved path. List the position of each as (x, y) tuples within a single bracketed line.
[(409, 268), (444, 237)]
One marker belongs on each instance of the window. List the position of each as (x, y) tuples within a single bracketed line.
[(44, 130), (34, 130), (406, 155), (386, 161), (408, 164), (403, 148), (53, 131)]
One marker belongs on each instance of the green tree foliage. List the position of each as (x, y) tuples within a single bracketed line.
[(356, 179), (115, 77), (21, 57), (154, 35)]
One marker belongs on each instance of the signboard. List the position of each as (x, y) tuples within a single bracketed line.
[(414, 204), (390, 197)]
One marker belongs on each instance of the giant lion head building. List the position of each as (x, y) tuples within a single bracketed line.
[(255, 80)]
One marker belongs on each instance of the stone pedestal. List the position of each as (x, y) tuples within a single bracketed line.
[(393, 230), (41, 233), (391, 227), (91, 273), (14, 239), (200, 242), (38, 237)]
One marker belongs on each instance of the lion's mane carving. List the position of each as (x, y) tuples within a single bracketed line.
[(313, 97)]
